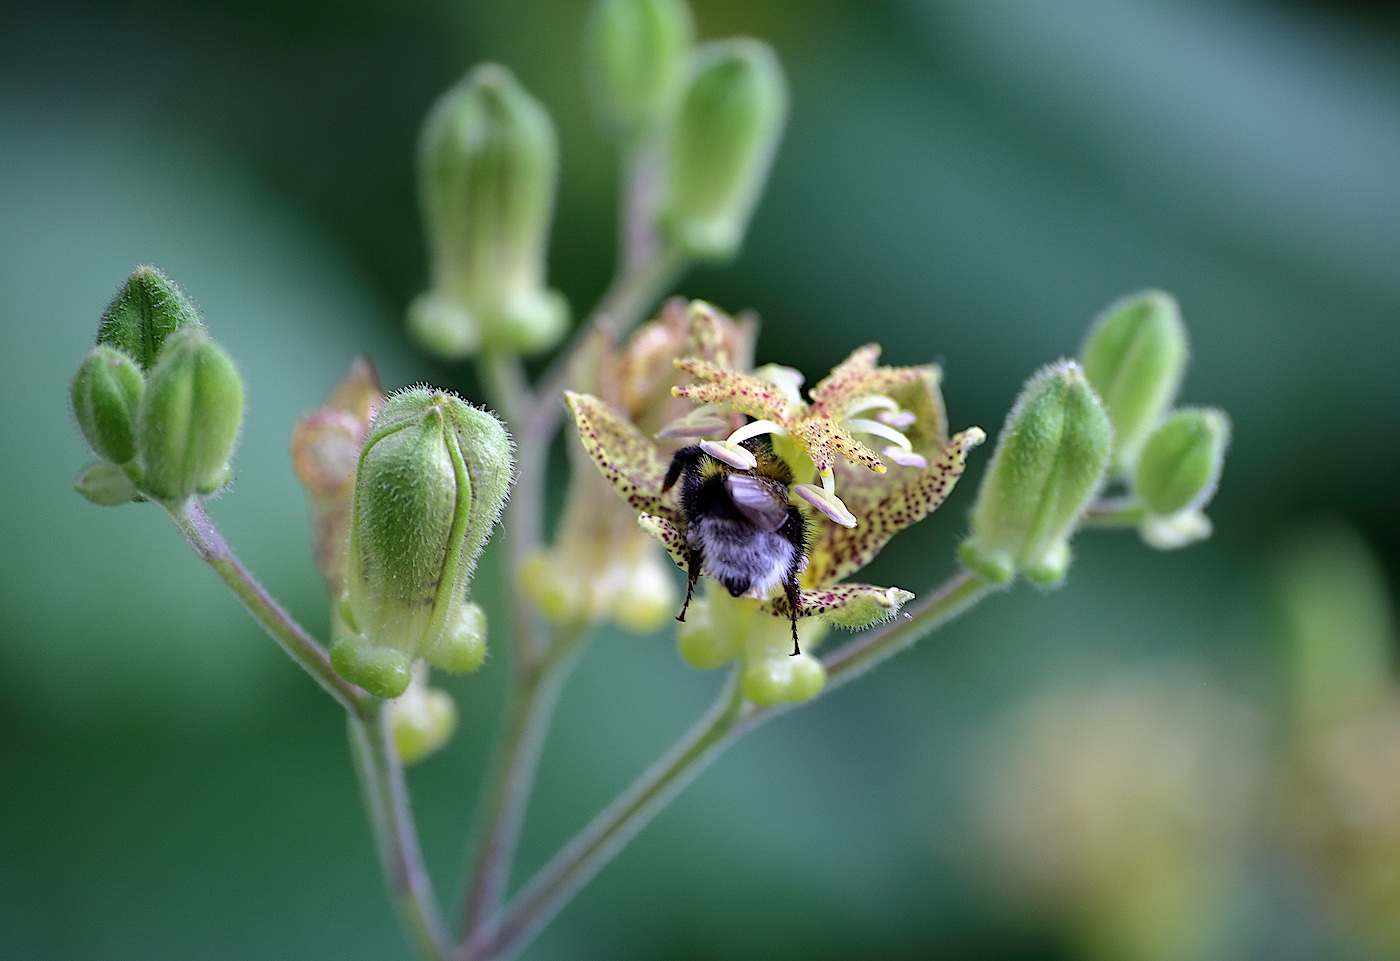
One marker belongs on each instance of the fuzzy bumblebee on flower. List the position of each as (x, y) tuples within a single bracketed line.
[(754, 506)]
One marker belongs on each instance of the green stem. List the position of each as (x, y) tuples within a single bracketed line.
[(729, 719), (954, 596), (211, 547), (503, 376), (386, 802), (532, 701), (598, 843)]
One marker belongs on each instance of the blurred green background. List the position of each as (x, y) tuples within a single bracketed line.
[(966, 181)]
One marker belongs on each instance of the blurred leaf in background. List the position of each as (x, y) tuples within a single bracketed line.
[(971, 181)]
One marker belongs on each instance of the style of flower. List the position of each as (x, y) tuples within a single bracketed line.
[(815, 438)]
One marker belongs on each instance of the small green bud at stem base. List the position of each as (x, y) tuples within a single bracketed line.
[(105, 484)]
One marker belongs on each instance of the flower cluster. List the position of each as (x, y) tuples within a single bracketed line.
[(817, 439)]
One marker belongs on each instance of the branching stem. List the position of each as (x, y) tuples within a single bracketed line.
[(211, 547)]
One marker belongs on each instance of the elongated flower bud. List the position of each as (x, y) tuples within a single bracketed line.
[(636, 52), (188, 419), (106, 392), (1049, 463), (487, 168), (147, 310), (1135, 357), (431, 481), (721, 146), (1177, 475)]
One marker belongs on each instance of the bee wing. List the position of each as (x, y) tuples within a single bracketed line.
[(764, 503)]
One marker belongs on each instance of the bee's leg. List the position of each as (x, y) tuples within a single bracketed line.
[(692, 576), (794, 599)]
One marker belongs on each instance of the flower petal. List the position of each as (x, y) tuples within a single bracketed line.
[(741, 392), (857, 376), (628, 460), (669, 535), (839, 551), (852, 606)]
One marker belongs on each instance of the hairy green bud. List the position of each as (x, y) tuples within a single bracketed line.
[(1049, 463), (188, 419), (635, 52), (721, 147), (431, 481), (106, 393), (1135, 356), (487, 169), (1177, 474), (105, 484), (147, 310)]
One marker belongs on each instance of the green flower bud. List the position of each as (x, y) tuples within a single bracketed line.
[(635, 52), (487, 168), (421, 720), (431, 481), (147, 310), (106, 392), (721, 147), (1135, 357), (188, 419), (1049, 463), (704, 644), (105, 484), (1177, 475), (462, 646), (783, 679)]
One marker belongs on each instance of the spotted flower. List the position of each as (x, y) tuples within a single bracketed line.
[(601, 566), (818, 440)]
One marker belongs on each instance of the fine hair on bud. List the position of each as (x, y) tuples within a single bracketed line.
[(432, 479), (1049, 463), (147, 309)]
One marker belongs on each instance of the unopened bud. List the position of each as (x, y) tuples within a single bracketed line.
[(462, 646), (421, 720), (488, 163), (636, 53), (188, 419), (721, 146), (431, 481), (1177, 474), (106, 393), (783, 679), (1135, 357), (1049, 463), (147, 310), (105, 484)]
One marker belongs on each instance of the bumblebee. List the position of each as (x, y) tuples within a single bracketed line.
[(739, 527)]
